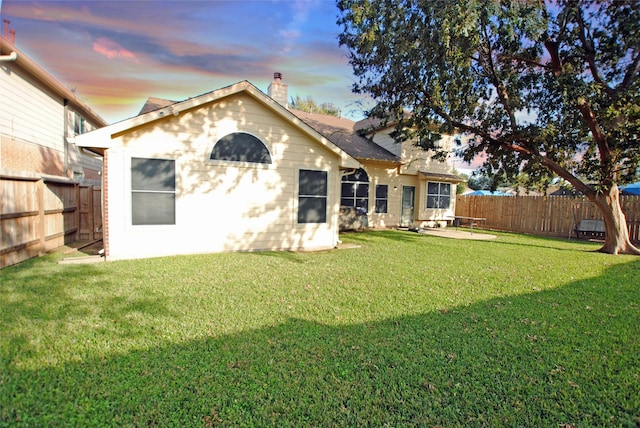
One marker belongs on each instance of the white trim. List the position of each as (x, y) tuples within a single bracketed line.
[(220, 162), (296, 197), (128, 191), (101, 138)]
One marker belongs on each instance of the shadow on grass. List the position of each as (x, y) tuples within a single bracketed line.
[(565, 356), (392, 235)]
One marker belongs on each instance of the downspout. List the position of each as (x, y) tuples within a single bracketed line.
[(65, 136)]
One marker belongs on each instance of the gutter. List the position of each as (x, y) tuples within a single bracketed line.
[(49, 81), (11, 57)]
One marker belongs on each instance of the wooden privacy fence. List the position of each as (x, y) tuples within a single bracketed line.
[(38, 215), (542, 215)]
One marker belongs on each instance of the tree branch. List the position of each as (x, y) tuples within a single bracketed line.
[(525, 60), (634, 69), (590, 54), (487, 62), (598, 134)]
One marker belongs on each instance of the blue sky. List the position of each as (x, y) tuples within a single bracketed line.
[(117, 53)]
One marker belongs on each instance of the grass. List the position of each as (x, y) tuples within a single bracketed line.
[(407, 330)]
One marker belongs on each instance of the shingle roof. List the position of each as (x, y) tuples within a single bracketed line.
[(341, 133), (338, 130), (439, 176), (153, 103)]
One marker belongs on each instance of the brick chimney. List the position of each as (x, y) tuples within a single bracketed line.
[(278, 90)]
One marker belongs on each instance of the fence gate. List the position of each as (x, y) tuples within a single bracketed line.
[(90, 213)]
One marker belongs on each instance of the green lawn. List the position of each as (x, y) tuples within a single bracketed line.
[(407, 330)]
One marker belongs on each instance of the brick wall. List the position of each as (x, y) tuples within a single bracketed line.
[(22, 156)]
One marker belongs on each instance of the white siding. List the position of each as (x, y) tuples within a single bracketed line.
[(28, 111), (33, 117), (221, 206)]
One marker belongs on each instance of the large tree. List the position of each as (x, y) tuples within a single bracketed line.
[(540, 88), (312, 106)]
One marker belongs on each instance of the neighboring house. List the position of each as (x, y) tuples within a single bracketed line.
[(39, 119), (237, 170), (398, 184), (229, 170)]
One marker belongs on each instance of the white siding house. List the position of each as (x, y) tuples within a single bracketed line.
[(399, 184), (230, 170), (39, 119)]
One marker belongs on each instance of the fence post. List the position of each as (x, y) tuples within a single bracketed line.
[(76, 213), (40, 227)]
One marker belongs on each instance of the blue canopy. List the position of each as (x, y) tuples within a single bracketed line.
[(631, 189), (487, 193)]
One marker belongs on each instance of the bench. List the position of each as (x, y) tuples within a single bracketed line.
[(590, 229)]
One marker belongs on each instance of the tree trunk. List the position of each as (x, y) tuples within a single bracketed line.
[(617, 234)]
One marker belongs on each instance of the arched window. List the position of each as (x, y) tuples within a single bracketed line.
[(355, 190), (240, 147)]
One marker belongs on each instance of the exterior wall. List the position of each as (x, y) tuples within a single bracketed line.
[(220, 206), (414, 160), (381, 174), (32, 129), (433, 217)]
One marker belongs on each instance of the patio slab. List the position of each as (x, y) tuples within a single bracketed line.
[(458, 234)]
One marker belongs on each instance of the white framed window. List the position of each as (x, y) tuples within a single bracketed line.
[(438, 195), (312, 196), (153, 191), (382, 198), (355, 190), (79, 126), (240, 147)]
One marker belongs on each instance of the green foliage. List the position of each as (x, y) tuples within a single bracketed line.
[(311, 106), (541, 88), (528, 332)]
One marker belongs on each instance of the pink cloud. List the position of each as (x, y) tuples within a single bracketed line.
[(111, 49)]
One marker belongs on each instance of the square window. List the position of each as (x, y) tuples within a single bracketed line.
[(153, 191), (312, 196), (438, 195), (382, 194)]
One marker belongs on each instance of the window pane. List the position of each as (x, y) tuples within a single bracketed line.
[(348, 202), (348, 190), (432, 201), (444, 202), (240, 147), (312, 183), (362, 190), (153, 208), (432, 188), (363, 203), (381, 191), (153, 174), (381, 206), (359, 175), (445, 189), (312, 210)]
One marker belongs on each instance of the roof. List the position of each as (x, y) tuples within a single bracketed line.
[(153, 104), (338, 130), (439, 176), (341, 132), (101, 139), (37, 72)]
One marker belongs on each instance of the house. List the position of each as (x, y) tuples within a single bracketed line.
[(398, 184), (229, 170), (39, 117), (237, 170)]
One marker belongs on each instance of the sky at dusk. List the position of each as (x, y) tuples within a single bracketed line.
[(117, 53)]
